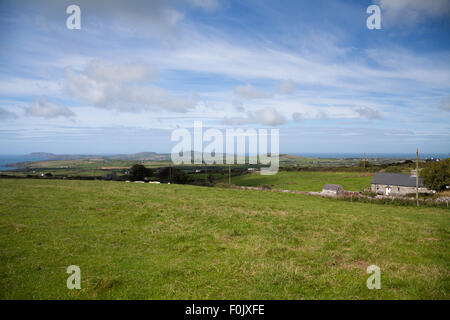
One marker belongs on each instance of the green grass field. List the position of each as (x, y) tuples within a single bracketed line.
[(306, 181), (180, 242)]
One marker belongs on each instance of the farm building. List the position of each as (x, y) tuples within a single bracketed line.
[(396, 183), (333, 190)]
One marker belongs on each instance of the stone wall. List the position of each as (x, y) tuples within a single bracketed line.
[(332, 193)]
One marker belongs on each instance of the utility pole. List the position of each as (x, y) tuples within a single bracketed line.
[(206, 174), (229, 174), (417, 176), (364, 161)]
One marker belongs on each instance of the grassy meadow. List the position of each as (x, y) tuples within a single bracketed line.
[(143, 241), (306, 180)]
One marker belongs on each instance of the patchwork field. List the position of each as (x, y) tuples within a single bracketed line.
[(179, 242), (307, 181)]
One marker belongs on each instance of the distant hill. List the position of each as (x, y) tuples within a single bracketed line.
[(154, 156), (51, 156), (45, 155), (135, 156), (139, 156), (290, 156)]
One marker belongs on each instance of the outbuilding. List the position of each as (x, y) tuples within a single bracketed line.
[(333, 190)]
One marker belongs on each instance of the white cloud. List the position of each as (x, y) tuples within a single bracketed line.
[(269, 116), (249, 92), (15, 86), (445, 104), (45, 109), (122, 87), (369, 113), (266, 116), (412, 11), (285, 87), (121, 72), (214, 54), (322, 115), (238, 105), (157, 18), (5, 114), (205, 4), (297, 117)]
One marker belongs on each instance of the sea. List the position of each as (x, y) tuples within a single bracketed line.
[(5, 159)]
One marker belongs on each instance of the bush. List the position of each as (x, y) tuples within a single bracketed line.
[(173, 175), (437, 175), (395, 201), (393, 169), (138, 172), (364, 164)]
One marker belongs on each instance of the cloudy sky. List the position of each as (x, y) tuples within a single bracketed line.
[(136, 70)]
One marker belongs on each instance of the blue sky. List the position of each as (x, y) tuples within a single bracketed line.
[(139, 69)]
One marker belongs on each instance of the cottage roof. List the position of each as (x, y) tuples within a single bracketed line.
[(396, 179), (332, 187)]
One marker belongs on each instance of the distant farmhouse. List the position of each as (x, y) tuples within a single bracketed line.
[(333, 190), (396, 183)]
